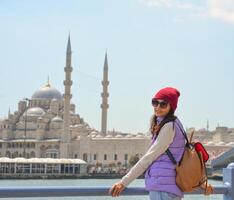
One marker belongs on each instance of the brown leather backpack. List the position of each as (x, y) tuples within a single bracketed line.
[(191, 170)]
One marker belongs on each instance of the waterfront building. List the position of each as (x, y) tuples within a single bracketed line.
[(42, 167)]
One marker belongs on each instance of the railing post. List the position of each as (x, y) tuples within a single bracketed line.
[(228, 179)]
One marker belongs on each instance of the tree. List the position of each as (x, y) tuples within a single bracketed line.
[(119, 164), (133, 159)]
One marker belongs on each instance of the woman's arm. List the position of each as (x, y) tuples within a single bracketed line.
[(164, 139)]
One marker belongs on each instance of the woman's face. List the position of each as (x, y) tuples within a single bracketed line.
[(161, 107)]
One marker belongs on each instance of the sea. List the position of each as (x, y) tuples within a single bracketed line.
[(92, 182)]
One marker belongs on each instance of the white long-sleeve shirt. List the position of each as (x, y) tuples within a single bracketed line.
[(164, 139)]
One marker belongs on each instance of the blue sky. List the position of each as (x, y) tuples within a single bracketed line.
[(150, 43)]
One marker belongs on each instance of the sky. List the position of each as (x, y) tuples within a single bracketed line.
[(150, 44)]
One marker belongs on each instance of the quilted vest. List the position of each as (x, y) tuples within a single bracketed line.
[(160, 175)]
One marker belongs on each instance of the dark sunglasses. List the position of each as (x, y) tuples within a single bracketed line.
[(162, 104)]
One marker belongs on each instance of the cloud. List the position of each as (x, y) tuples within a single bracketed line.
[(217, 9), (222, 9)]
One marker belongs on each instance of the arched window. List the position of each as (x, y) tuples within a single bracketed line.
[(85, 157), (8, 154), (95, 157), (125, 156), (105, 157), (115, 157), (16, 154), (32, 154)]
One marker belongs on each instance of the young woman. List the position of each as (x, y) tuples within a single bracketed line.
[(159, 170)]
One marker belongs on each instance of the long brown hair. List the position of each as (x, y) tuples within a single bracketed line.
[(153, 121)]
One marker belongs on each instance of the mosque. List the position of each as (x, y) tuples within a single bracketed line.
[(47, 126)]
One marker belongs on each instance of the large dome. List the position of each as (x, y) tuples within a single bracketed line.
[(47, 92), (34, 112)]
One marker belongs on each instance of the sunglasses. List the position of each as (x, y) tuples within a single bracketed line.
[(162, 104)]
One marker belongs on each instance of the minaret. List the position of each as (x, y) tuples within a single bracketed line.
[(207, 125), (105, 96), (9, 113), (65, 153)]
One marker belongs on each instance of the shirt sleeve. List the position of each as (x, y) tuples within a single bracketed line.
[(164, 139)]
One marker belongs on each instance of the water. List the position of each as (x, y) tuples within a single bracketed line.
[(93, 182)]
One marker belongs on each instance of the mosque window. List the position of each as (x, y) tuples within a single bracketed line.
[(15, 154), (95, 157), (126, 157), (115, 157), (8, 154), (105, 157), (85, 157), (32, 154)]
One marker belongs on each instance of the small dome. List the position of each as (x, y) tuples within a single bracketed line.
[(128, 136), (34, 112), (109, 136), (99, 136), (140, 136), (210, 143), (47, 92), (220, 143), (230, 144), (57, 119), (118, 136), (94, 133)]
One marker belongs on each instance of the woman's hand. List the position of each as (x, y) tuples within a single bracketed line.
[(116, 189)]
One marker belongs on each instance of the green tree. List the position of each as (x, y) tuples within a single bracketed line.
[(133, 159)]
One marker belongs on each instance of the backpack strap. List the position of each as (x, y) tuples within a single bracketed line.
[(172, 158), (162, 123)]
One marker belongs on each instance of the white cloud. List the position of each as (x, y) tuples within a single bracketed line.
[(222, 9), (218, 9)]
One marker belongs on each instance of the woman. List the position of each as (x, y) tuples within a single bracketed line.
[(159, 170)]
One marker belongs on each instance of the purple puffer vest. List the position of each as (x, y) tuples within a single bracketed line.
[(160, 175)]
